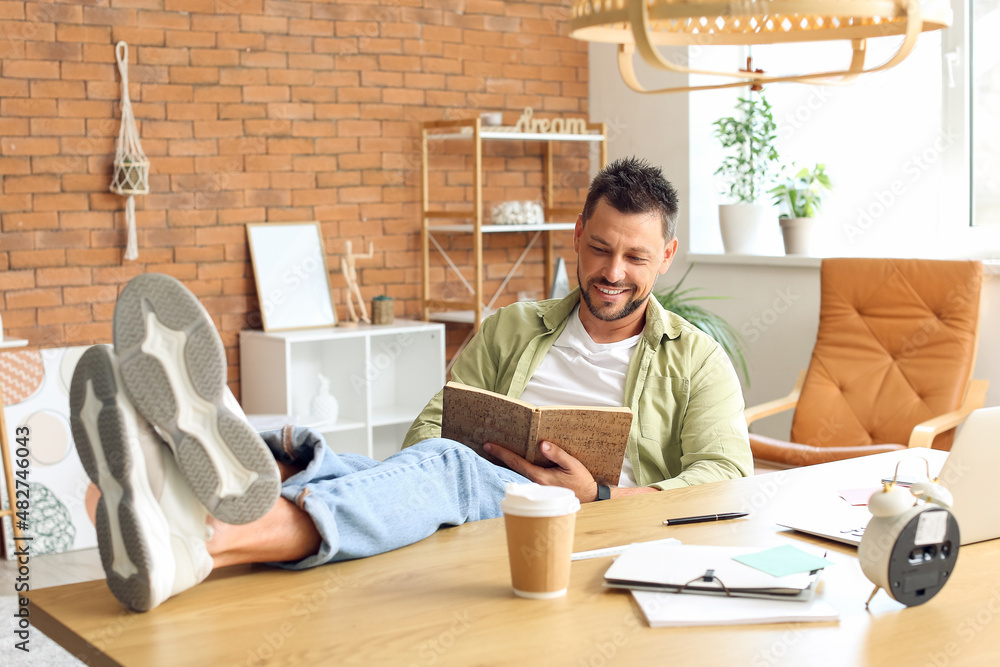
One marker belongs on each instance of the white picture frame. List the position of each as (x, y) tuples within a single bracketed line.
[(289, 267)]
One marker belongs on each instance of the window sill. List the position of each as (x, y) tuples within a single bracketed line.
[(991, 267), (754, 260)]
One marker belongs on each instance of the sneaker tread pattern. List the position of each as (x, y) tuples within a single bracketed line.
[(135, 591), (146, 383)]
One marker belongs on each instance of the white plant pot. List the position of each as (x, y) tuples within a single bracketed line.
[(798, 235), (741, 226)]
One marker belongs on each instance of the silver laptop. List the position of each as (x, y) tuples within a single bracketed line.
[(969, 473)]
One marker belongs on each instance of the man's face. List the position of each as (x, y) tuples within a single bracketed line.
[(619, 257)]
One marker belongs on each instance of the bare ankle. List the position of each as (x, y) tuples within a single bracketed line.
[(285, 533)]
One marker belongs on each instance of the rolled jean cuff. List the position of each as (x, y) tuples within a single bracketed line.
[(321, 516), (293, 444)]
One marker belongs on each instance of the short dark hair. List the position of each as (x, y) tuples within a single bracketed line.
[(632, 185)]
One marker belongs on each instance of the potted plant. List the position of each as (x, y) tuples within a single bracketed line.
[(751, 159), (682, 302), (800, 197)]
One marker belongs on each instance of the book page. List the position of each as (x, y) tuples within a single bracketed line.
[(596, 437), (474, 417)]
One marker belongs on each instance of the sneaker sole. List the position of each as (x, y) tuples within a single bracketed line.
[(173, 366), (134, 537)]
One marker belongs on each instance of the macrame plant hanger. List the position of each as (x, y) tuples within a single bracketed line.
[(131, 166)]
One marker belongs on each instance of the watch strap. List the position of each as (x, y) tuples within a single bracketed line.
[(603, 492)]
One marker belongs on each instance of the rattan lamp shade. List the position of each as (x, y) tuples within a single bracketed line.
[(644, 25)]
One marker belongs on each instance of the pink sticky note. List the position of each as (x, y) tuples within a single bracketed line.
[(858, 496)]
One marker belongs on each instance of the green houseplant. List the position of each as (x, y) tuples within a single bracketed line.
[(683, 302), (750, 161), (800, 197)]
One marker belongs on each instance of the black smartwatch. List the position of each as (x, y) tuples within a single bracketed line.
[(603, 492)]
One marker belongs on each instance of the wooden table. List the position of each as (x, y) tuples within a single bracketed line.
[(447, 600)]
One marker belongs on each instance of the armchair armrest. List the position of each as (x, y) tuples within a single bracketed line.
[(924, 433), (769, 408)]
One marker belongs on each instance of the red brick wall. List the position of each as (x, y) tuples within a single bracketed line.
[(257, 111)]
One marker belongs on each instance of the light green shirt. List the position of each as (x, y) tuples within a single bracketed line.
[(688, 427)]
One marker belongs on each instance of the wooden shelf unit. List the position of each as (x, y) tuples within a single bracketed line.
[(471, 310)]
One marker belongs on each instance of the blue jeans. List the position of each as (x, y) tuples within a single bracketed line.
[(362, 507)]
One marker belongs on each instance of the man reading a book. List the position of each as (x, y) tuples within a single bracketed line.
[(610, 344), (186, 486)]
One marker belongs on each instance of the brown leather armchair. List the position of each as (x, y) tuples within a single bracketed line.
[(892, 364)]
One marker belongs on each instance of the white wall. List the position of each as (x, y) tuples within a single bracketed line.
[(776, 307)]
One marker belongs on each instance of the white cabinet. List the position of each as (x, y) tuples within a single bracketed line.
[(381, 376)]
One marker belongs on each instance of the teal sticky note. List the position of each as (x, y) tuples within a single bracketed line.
[(784, 560)]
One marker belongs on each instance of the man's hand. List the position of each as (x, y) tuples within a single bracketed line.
[(568, 473)]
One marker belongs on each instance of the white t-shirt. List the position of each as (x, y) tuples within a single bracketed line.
[(578, 371)]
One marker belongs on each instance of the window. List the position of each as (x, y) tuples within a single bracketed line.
[(985, 97), (914, 151), (880, 138)]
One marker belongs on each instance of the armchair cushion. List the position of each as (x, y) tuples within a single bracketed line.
[(793, 454)]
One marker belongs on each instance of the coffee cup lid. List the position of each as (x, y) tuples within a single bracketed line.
[(535, 500)]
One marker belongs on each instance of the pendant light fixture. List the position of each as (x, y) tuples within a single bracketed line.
[(644, 25)]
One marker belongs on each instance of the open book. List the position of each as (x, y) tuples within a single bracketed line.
[(595, 436)]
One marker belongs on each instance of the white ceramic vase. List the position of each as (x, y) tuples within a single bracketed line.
[(324, 405), (798, 234), (741, 226)]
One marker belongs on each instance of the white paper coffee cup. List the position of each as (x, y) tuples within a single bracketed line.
[(540, 521)]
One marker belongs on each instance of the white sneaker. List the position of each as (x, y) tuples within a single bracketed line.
[(151, 528), (173, 367)]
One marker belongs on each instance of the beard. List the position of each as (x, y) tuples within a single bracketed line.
[(607, 313)]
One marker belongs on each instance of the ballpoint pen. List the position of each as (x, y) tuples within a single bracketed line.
[(707, 517)]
